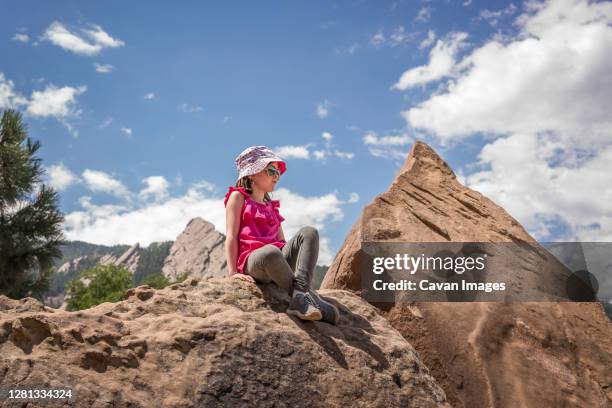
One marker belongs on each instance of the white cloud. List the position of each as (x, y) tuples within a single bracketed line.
[(71, 129), (98, 39), (157, 187), (327, 136), (189, 108), (50, 102), (54, 101), (101, 37), (203, 185), (493, 17), (371, 138), (9, 97), (127, 131), (542, 182), (24, 38), (319, 154), (323, 154), (322, 110), (387, 147), (293, 152), (431, 37), (399, 36), (542, 99), (467, 3), (150, 96), (165, 218), (304, 152), (349, 50), (105, 123), (377, 39), (103, 68), (99, 181), (441, 62), (60, 177), (344, 155), (424, 14), (553, 76)]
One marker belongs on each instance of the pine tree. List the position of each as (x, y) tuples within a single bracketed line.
[(30, 222)]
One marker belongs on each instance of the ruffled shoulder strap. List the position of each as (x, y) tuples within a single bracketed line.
[(275, 206), (232, 189)]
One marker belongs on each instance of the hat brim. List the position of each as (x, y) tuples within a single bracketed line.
[(262, 164)]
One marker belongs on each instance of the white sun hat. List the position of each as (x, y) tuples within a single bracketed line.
[(254, 159)]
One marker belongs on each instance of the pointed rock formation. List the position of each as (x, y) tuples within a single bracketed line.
[(483, 354), (198, 250), (212, 343), (71, 266), (129, 258)]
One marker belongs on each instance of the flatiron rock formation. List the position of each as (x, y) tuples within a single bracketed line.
[(129, 258), (531, 354), (212, 342), (198, 251), (70, 266)]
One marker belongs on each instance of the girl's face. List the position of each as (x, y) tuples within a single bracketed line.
[(266, 179)]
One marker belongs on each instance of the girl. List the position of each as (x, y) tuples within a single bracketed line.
[(255, 245)]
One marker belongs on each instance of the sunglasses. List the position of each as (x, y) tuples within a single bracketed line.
[(272, 171)]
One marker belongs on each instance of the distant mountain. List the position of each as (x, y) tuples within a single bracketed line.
[(79, 255)]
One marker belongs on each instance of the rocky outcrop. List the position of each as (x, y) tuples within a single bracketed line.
[(214, 342), (198, 250), (483, 354), (129, 258), (71, 266)]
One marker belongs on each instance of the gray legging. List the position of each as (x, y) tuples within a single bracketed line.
[(299, 254)]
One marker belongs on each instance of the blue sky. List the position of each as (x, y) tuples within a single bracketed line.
[(141, 108)]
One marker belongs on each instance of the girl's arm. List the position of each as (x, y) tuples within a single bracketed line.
[(281, 234), (232, 225)]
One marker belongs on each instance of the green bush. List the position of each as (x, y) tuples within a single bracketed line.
[(156, 280), (108, 284), (159, 281)]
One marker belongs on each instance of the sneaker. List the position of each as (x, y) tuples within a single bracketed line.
[(329, 313), (303, 306)]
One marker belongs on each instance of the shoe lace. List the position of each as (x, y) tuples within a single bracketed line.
[(310, 299)]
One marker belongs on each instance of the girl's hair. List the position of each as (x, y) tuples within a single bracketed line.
[(247, 184)]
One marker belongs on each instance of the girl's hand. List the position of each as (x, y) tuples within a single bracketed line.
[(244, 277)]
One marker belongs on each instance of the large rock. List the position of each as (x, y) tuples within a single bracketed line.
[(212, 343), (483, 354), (199, 250)]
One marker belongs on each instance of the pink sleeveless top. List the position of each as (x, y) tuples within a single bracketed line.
[(259, 225)]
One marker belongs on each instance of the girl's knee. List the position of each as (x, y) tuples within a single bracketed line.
[(310, 232)]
